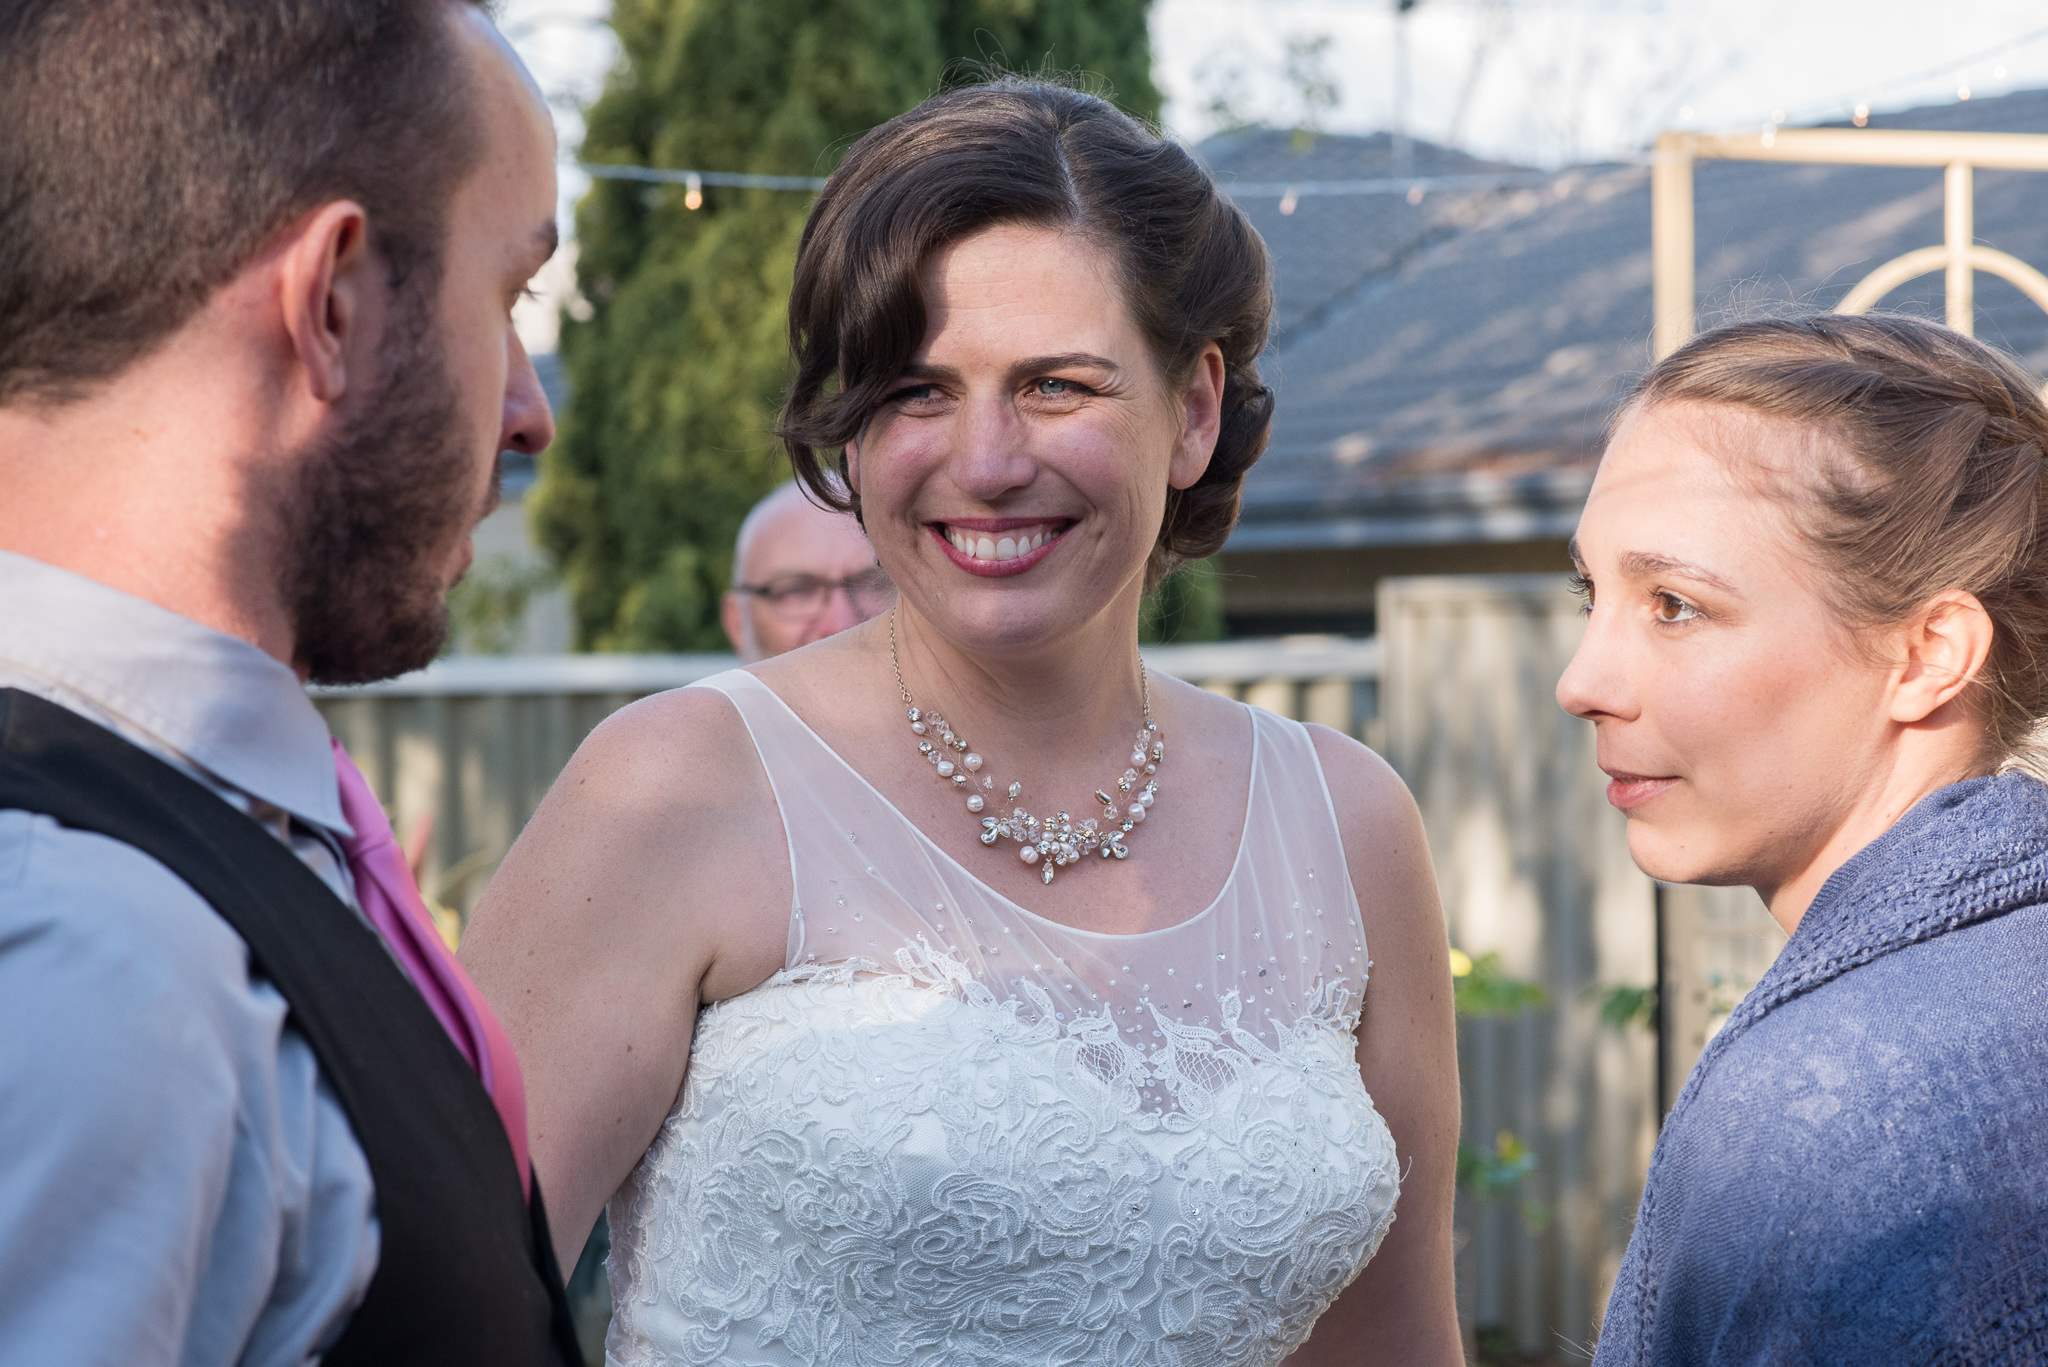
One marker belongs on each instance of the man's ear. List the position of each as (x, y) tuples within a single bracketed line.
[(729, 609), (1201, 420), (330, 284), (1946, 645)]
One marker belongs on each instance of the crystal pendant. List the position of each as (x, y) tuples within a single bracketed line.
[(1053, 842)]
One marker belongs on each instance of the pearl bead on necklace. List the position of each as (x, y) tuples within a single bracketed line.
[(1048, 842)]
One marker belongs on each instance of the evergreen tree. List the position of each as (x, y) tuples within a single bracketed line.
[(676, 375)]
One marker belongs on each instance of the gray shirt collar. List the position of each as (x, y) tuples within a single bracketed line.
[(213, 699)]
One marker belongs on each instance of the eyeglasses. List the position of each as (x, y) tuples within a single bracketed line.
[(802, 597)]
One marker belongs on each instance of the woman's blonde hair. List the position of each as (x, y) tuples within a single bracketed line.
[(1931, 479)]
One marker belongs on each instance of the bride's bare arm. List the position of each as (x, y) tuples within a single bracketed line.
[(653, 877), (1402, 1309)]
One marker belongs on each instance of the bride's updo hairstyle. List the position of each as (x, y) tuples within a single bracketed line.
[(1019, 151), (1928, 477)]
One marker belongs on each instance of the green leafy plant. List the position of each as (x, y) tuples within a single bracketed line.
[(676, 372), (1481, 989), (486, 609), (1187, 607), (1624, 1006), (1486, 1172), (1307, 72)]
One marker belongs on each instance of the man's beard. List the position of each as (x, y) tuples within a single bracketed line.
[(376, 515)]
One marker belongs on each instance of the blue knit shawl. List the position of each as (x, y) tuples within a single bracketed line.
[(1857, 1169)]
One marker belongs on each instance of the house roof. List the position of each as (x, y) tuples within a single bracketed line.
[(1445, 374), (1329, 246)]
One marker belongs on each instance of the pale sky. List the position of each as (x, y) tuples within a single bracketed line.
[(1539, 83), (1575, 80)]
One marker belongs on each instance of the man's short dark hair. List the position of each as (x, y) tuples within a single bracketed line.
[(150, 150)]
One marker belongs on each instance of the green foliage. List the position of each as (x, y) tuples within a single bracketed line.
[(1481, 988), (1187, 607), (1101, 44), (1484, 989), (1488, 1172), (1484, 1174), (1624, 1006), (676, 374), (1314, 84), (486, 609), (1305, 74)]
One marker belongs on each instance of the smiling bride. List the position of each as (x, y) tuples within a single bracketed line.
[(952, 990)]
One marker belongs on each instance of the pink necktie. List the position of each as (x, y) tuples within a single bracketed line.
[(392, 901)]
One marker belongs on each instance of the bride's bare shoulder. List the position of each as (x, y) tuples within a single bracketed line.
[(1363, 787), (1386, 849), (652, 736), (671, 746), (657, 798), (823, 678)]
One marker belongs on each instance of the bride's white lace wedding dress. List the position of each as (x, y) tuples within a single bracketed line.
[(952, 1131)]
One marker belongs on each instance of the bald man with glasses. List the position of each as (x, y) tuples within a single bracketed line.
[(800, 573)]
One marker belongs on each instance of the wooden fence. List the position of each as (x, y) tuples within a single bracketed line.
[(1534, 867), (1533, 864), (1457, 693)]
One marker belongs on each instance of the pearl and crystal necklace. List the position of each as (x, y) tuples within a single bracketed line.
[(1054, 841)]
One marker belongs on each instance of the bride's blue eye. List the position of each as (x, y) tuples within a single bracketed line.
[(1053, 388)]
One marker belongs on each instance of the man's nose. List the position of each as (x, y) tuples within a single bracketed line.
[(529, 423), (838, 614)]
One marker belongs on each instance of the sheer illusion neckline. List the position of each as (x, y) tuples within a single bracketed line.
[(1229, 879)]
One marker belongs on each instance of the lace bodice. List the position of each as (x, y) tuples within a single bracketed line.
[(951, 1131)]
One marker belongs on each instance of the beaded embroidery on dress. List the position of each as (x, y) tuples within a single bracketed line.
[(951, 1131)]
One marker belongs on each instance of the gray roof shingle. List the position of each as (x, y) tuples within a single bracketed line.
[(1446, 375)]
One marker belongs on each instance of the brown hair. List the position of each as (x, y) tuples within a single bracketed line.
[(1930, 478), (152, 149), (1026, 151)]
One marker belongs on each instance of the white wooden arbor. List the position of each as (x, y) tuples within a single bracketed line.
[(1960, 256), (1710, 938)]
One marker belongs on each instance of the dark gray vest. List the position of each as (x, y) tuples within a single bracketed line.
[(466, 1273)]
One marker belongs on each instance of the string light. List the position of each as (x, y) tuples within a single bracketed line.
[(695, 181), (1412, 188), (1290, 193), (1816, 110)]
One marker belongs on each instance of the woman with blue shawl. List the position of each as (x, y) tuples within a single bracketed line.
[(1815, 560)]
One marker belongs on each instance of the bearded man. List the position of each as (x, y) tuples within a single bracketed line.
[(257, 367)]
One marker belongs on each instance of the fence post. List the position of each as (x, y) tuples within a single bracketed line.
[(1671, 241), (1960, 229), (1534, 866)]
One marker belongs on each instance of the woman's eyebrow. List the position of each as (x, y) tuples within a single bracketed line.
[(1646, 564), (1064, 361)]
